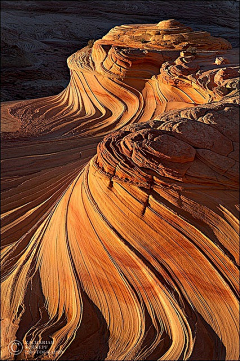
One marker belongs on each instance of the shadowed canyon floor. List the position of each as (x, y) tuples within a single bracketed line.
[(120, 203)]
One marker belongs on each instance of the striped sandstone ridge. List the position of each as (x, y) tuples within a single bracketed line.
[(167, 34), (129, 250), (114, 84)]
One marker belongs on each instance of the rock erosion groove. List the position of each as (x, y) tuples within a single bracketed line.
[(120, 203)]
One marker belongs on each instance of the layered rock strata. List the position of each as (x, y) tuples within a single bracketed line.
[(120, 203), (37, 37)]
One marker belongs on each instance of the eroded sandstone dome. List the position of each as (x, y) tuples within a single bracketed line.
[(167, 34), (120, 203)]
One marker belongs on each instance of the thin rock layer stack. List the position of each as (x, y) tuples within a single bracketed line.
[(120, 203)]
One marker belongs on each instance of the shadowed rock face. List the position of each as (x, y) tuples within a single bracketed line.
[(37, 36), (120, 202)]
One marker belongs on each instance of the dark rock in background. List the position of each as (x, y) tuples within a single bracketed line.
[(38, 36)]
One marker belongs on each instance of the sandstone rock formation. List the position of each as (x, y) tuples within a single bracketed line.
[(120, 203), (168, 34), (37, 36)]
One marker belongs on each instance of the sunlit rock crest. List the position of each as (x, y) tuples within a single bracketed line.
[(119, 212)]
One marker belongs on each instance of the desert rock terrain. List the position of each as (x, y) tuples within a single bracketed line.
[(38, 36), (120, 202)]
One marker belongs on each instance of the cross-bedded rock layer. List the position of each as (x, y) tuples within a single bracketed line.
[(128, 251), (168, 34)]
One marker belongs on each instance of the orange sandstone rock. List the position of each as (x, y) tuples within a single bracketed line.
[(120, 203), (167, 34)]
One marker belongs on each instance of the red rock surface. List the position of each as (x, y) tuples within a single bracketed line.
[(120, 202), (38, 36)]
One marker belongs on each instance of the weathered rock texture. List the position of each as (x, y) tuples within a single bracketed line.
[(120, 202), (37, 36)]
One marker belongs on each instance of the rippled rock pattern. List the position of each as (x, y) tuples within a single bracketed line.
[(120, 203), (37, 37)]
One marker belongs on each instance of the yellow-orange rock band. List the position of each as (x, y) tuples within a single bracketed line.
[(120, 203)]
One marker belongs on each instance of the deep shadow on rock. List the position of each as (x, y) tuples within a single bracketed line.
[(37, 37)]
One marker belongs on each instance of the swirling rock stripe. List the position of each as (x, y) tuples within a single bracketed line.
[(157, 288), (112, 86), (130, 253)]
